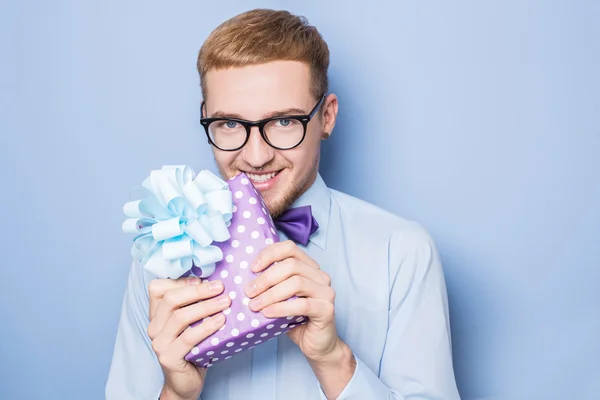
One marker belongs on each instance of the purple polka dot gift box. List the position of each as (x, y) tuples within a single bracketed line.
[(203, 226)]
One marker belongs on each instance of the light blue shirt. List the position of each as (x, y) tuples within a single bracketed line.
[(391, 308)]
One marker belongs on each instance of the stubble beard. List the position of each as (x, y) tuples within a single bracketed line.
[(291, 193)]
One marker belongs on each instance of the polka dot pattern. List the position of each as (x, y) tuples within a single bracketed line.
[(252, 229)]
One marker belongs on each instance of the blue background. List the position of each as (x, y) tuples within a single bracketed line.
[(478, 119)]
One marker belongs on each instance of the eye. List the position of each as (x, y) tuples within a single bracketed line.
[(285, 122), (231, 124)]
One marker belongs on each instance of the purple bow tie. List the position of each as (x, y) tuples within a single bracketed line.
[(298, 224)]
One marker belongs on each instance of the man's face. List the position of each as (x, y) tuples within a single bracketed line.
[(261, 91)]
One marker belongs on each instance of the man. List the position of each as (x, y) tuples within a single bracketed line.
[(371, 283)]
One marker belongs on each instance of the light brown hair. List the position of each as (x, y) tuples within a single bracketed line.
[(260, 36)]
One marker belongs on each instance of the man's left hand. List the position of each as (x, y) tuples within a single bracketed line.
[(294, 273)]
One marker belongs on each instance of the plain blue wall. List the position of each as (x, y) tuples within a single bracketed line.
[(478, 119)]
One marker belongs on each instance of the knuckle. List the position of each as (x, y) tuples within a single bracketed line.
[(288, 266), (185, 279), (327, 278), (202, 289), (180, 316), (170, 298), (151, 331), (328, 309), (331, 295), (154, 288), (294, 265), (157, 347), (201, 331), (304, 306), (265, 279), (266, 298), (316, 264), (289, 245), (296, 282), (262, 281), (189, 336)]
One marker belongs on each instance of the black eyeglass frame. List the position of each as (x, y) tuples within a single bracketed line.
[(303, 119)]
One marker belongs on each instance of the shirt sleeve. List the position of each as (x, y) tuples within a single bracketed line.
[(134, 371), (417, 360)]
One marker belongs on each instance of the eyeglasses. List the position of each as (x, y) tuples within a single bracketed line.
[(281, 132)]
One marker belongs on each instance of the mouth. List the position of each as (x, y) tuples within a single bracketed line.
[(263, 180)]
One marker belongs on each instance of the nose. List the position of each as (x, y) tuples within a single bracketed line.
[(257, 152)]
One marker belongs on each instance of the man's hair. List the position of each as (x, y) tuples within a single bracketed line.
[(260, 36)]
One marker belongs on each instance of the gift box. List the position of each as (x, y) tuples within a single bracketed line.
[(212, 229)]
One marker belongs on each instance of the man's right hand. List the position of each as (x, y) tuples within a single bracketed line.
[(174, 306)]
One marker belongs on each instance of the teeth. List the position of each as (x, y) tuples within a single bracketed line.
[(263, 177)]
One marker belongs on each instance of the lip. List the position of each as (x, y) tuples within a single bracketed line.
[(263, 186)]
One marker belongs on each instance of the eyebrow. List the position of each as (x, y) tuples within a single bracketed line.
[(278, 113)]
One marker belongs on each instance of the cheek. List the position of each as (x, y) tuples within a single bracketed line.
[(225, 159), (314, 135), (303, 157), (312, 144)]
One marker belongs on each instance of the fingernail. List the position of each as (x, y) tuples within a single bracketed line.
[(215, 285), (192, 280), (218, 319), (223, 300), (255, 303), (255, 265), (251, 289)]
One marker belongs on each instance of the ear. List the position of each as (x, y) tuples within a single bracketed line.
[(202, 110), (330, 110)]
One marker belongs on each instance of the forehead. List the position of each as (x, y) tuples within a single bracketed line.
[(256, 89)]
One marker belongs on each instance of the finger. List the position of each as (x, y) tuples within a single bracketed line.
[(317, 310), (158, 287), (180, 297), (279, 252), (281, 271), (296, 285), (183, 317), (174, 352)]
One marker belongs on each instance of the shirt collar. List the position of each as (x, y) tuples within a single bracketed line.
[(318, 197)]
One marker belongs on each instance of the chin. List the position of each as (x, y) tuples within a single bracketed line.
[(276, 203)]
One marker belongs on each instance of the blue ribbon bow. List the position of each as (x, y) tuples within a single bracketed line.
[(178, 220)]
